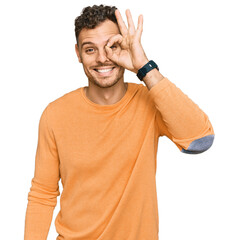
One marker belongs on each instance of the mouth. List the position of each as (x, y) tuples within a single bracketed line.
[(104, 71)]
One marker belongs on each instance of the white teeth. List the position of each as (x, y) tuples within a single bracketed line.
[(104, 70)]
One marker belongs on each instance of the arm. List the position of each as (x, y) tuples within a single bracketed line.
[(177, 117), (42, 197)]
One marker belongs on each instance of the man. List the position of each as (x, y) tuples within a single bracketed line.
[(102, 140)]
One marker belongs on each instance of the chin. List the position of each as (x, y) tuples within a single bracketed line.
[(105, 82)]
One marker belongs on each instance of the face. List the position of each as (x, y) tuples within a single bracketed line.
[(100, 70)]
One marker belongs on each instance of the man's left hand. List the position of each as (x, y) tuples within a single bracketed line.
[(131, 54)]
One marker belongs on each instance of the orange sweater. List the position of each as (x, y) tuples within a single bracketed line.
[(106, 158)]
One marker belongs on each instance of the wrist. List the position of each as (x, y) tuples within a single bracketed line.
[(142, 63), (146, 68)]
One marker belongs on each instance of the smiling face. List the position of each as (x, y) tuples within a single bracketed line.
[(100, 70)]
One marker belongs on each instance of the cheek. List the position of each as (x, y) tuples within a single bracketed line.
[(88, 61)]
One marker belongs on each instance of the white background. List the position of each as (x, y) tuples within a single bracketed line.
[(195, 44)]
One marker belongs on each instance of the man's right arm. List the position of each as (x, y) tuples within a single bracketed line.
[(42, 197)]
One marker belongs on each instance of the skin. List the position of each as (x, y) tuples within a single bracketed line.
[(113, 45), (102, 90)]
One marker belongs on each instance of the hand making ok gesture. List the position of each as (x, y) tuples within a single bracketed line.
[(131, 54)]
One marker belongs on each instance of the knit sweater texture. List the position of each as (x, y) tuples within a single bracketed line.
[(106, 159)]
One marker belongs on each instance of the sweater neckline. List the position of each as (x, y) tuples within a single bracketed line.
[(107, 107)]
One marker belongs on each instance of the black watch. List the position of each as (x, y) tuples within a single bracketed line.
[(146, 68)]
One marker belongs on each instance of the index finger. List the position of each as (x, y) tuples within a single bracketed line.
[(121, 24)]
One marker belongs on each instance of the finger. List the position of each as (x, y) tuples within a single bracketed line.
[(111, 54), (131, 26), (140, 25), (121, 23), (118, 38)]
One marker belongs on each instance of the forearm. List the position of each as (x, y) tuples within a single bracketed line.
[(152, 78), (183, 119), (37, 221)]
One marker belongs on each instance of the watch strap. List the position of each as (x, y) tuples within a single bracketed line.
[(146, 68)]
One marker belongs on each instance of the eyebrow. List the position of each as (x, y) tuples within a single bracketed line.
[(86, 43), (92, 43)]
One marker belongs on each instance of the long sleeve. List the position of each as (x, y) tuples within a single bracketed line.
[(42, 197), (180, 119)]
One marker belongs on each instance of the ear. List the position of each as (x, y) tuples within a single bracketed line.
[(78, 53)]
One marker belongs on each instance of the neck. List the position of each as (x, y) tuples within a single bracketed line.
[(106, 96)]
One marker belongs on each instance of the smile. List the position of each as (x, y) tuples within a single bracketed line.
[(105, 71)]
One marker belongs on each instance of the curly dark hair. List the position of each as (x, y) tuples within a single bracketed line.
[(91, 17)]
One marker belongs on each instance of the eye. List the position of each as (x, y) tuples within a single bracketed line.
[(89, 50), (114, 46)]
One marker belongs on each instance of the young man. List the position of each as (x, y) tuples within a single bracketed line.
[(102, 140)]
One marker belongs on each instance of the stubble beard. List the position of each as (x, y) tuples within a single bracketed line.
[(104, 82)]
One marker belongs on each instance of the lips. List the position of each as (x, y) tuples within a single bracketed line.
[(104, 71)]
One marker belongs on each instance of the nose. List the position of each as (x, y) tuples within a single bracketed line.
[(101, 56)]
